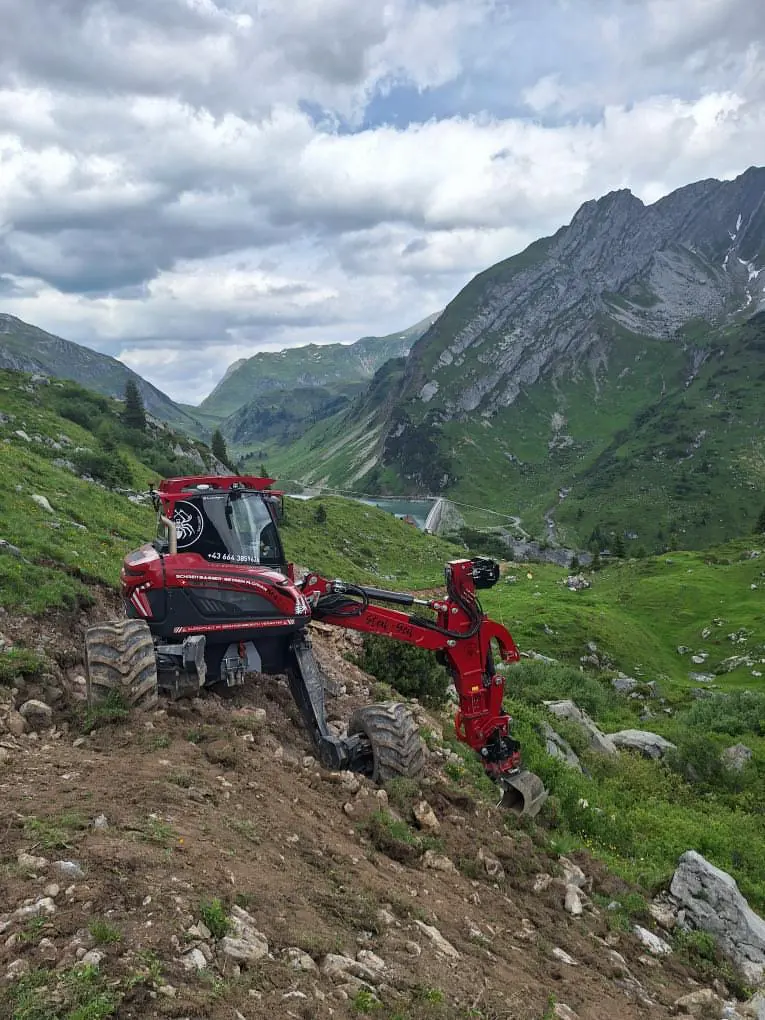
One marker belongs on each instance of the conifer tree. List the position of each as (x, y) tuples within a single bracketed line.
[(218, 447), (134, 412)]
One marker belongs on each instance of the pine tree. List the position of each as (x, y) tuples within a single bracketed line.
[(760, 525), (134, 413), (218, 447), (620, 549)]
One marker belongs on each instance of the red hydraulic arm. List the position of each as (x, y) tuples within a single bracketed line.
[(460, 631)]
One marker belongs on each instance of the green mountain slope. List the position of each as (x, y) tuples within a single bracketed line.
[(637, 815), (587, 383), (267, 401), (28, 349)]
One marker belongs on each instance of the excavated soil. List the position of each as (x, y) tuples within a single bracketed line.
[(209, 799)]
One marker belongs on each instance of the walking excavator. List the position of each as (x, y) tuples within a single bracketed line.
[(212, 600)]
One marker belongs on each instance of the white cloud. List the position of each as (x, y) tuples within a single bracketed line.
[(183, 208)]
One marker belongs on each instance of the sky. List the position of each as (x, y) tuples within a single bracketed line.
[(186, 182)]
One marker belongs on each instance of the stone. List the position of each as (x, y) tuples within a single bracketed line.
[(736, 757), (441, 945), (755, 1008), (21, 434), (663, 915), (93, 958), (542, 882), (573, 901), (341, 969), (69, 869), (598, 740), (704, 1003), (37, 714), (557, 747), (573, 873), (562, 956), (194, 960), (491, 864), (653, 943), (17, 969), (30, 862), (11, 550), (246, 945), (650, 745), (100, 822), (563, 1012), (52, 889), (199, 931), (438, 862), (47, 951), (15, 724), (712, 902), (625, 684), (425, 817), (45, 905), (43, 503), (300, 960), (372, 961)]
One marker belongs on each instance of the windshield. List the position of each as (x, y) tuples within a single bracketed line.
[(228, 527)]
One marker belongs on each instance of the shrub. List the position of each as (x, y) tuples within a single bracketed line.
[(413, 672), (112, 469), (734, 714)]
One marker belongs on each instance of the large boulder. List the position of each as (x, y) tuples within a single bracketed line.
[(650, 745), (569, 710), (557, 747), (712, 902)]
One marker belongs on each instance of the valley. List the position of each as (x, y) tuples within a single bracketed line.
[(600, 396)]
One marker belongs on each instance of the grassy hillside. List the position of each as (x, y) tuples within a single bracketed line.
[(637, 815), (323, 366), (658, 443), (51, 436), (27, 348)]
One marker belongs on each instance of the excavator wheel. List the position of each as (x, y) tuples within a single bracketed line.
[(395, 743), (120, 659)]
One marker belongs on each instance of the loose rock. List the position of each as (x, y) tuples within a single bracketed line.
[(37, 714), (650, 745), (703, 1003), (441, 945), (653, 943), (425, 817), (569, 710), (712, 902)]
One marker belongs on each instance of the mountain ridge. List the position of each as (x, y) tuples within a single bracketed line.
[(27, 348), (305, 366), (539, 362)]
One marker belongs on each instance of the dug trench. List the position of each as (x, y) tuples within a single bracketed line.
[(197, 862)]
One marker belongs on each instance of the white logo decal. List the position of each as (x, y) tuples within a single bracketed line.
[(189, 523)]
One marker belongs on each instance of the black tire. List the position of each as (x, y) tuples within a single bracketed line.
[(120, 660), (396, 746)]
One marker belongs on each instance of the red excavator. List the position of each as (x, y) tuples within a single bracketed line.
[(213, 599)]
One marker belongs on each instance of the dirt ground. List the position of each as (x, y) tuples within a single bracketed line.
[(211, 799)]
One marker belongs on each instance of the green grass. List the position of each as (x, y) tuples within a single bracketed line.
[(79, 993), (92, 527), (363, 544), (215, 916)]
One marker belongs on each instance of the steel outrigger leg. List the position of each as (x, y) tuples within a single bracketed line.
[(307, 687)]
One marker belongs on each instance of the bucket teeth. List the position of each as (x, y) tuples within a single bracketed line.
[(523, 794)]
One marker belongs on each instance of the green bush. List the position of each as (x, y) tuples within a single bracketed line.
[(413, 672), (734, 714), (112, 469)]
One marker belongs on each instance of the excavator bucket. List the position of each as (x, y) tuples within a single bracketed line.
[(523, 793)]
